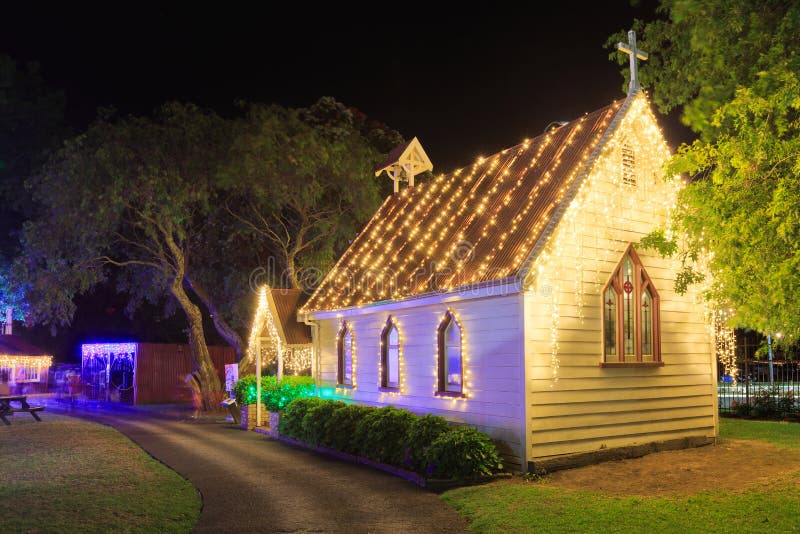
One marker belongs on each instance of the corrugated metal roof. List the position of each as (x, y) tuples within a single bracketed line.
[(294, 332), (16, 346), (476, 225)]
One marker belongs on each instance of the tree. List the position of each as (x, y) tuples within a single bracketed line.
[(733, 66), (309, 182), (302, 184), (132, 194), (31, 119)]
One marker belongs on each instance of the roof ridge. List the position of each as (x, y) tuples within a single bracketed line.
[(555, 219), (501, 209)]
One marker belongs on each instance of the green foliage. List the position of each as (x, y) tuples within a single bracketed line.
[(291, 423), (31, 125), (278, 395), (464, 452), (392, 436), (667, 246), (741, 409), (127, 193), (301, 180), (774, 403), (382, 434), (275, 395), (245, 390), (317, 423), (147, 194), (657, 240), (341, 430), (421, 434), (731, 66)]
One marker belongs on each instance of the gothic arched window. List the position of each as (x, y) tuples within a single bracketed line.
[(390, 356), (631, 322), (451, 362), (344, 374)]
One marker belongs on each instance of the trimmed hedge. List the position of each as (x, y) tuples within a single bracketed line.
[(427, 444), (274, 394)]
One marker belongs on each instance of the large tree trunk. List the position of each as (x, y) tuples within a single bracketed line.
[(243, 357), (222, 327), (210, 385)]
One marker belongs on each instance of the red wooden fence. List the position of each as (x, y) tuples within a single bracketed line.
[(161, 370)]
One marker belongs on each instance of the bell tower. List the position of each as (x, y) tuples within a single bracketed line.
[(404, 163)]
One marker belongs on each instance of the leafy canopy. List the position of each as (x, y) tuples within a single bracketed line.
[(129, 193), (734, 69)]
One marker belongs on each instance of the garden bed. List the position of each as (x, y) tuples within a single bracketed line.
[(432, 483), (731, 465)]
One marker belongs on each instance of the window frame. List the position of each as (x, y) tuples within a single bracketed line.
[(442, 356), (340, 356), (384, 375), (641, 282)]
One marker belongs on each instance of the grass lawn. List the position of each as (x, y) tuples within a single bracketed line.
[(777, 433), (538, 507), (69, 475)]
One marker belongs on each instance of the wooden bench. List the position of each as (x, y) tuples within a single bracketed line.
[(7, 410)]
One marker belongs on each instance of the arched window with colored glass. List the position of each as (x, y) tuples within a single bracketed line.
[(451, 361), (390, 356), (345, 347), (630, 314)]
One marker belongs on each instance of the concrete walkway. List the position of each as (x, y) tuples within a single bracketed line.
[(251, 483)]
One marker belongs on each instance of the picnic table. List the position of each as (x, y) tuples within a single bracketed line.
[(7, 409)]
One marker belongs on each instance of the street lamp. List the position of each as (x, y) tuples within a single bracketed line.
[(769, 344)]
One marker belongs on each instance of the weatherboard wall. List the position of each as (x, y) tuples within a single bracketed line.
[(574, 404), (492, 347)]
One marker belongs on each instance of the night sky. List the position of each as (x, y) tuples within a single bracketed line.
[(466, 81)]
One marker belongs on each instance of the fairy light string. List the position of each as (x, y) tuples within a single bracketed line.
[(502, 205)]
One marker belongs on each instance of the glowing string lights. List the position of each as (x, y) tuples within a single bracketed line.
[(296, 358)]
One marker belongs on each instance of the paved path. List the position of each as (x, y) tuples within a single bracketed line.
[(251, 483)]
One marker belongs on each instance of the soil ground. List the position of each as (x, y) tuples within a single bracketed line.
[(730, 465)]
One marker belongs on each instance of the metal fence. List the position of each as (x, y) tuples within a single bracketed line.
[(770, 390)]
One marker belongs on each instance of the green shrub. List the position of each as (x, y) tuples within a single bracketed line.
[(317, 420), (788, 405), (382, 434), (742, 409), (421, 433), (245, 390), (275, 395), (392, 436), (341, 428), (291, 423), (765, 404), (278, 395), (462, 453)]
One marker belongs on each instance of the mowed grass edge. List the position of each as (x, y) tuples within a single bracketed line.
[(69, 475), (532, 507)]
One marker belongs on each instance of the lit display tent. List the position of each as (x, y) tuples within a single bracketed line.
[(142, 373), (22, 366)]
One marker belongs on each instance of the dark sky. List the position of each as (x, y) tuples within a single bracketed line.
[(467, 81)]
